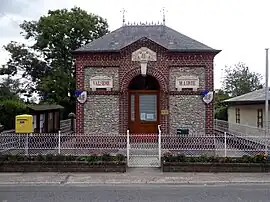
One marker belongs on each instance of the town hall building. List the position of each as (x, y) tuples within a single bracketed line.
[(141, 76)]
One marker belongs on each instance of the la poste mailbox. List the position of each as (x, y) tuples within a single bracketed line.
[(24, 123)]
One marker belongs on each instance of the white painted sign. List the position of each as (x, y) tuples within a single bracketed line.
[(187, 82), (208, 98), (101, 82)]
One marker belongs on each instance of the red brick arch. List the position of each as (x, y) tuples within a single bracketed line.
[(128, 76), (124, 83)]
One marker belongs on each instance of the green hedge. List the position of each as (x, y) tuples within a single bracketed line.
[(214, 159), (50, 157)]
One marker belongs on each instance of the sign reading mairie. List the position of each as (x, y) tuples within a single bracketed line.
[(184, 82), (101, 82)]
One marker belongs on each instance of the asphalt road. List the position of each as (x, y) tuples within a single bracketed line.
[(155, 193)]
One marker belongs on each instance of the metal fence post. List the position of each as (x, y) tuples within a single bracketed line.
[(225, 144), (19, 140), (128, 147), (59, 142), (26, 144), (159, 144)]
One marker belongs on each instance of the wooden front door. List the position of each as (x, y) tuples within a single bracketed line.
[(143, 111)]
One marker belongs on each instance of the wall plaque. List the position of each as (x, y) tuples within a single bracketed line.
[(98, 82), (183, 82), (164, 112), (144, 55)]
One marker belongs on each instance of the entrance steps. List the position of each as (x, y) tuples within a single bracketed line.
[(143, 161), (143, 152), (143, 155)]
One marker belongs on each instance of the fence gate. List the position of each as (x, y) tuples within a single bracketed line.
[(144, 150)]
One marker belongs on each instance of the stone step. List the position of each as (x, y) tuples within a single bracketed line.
[(144, 161), (143, 152), (144, 146)]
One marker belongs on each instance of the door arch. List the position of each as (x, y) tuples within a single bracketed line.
[(144, 105)]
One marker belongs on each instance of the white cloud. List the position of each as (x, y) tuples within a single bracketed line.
[(239, 28)]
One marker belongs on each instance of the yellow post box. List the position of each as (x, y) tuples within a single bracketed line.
[(24, 123)]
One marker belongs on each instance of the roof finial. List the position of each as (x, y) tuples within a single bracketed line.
[(163, 15), (124, 19)]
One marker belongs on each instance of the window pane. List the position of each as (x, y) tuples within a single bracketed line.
[(148, 107), (132, 107)]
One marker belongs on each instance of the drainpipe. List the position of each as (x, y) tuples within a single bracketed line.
[(266, 99)]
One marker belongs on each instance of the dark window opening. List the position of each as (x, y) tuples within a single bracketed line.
[(237, 115), (259, 118), (144, 83)]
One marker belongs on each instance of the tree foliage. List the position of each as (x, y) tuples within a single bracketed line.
[(9, 109), (9, 89), (219, 107), (48, 63), (240, 80)]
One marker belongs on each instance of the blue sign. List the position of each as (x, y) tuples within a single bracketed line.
[(78, 92), (204, 93)]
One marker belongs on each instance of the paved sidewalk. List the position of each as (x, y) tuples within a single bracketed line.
[(133, 176)]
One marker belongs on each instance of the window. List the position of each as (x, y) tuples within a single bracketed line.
[(132, 106), (50, 116), (148, 107), (259, 118), (237, 115)]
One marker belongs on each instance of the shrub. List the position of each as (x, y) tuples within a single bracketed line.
[(168, 157), (50, 157), (9, 109)]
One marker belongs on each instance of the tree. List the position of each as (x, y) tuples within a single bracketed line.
[(220, 108), (48, 63), (239, 80), (8, 111), (9, 89)]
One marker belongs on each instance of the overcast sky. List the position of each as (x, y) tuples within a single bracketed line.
[(241, 29)]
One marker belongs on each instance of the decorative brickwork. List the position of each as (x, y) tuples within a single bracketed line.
[(167, 64)]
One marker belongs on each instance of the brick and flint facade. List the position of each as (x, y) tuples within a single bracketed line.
[(106, 111)]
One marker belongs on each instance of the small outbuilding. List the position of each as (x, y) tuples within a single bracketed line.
[(46, 118)]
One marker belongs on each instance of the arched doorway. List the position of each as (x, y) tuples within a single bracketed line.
[(143, 105)]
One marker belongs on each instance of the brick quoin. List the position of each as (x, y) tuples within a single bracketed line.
[(160, 70)]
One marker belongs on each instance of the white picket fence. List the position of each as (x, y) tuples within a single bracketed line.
[(137, 147)]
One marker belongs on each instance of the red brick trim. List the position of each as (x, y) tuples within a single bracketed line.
[(103, 92), (191, 57), (188, 92), (128, 76), (191, 66), (209, 85), (79, 86)]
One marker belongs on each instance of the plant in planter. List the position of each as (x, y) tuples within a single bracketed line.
[(62, 163), (50, 157), (168, 157), (182, 163)]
